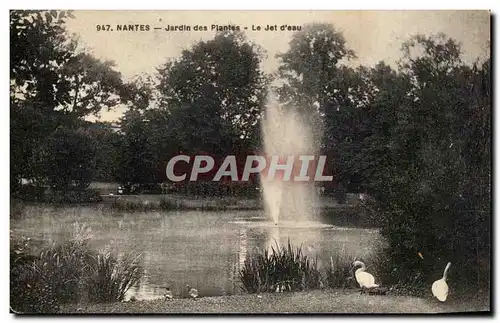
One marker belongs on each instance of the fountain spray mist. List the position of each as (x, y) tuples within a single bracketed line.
[(286, 133)]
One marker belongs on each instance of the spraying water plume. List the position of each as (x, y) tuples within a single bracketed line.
[(285, 133)]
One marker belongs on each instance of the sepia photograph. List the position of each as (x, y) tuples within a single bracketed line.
[(250, 162)]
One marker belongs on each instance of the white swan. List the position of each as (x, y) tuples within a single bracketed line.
[(440, 287), (364, 279)]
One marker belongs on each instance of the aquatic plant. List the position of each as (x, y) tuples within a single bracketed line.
[(110, 278), (339, 273), (280, 269), (67, 273)]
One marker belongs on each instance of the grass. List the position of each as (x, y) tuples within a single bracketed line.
[(328, 301), (67, 273)]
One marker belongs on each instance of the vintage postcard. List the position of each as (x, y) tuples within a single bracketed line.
[(334, 162)]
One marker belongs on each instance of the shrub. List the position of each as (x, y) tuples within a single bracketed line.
[(145, 206), (29, 192), (74, 196), (431, 171), (168, 205), (340, 195)]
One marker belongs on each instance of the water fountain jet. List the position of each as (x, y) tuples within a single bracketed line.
[(286, 133)]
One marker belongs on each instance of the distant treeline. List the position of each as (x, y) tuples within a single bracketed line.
[(417, 137)]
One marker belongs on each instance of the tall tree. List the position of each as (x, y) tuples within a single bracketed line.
[(214, 94), (313, 73), (138, 156), (72, 161), (147, 140), (330, 96), (38, 48), (108, 145), (52, 86)]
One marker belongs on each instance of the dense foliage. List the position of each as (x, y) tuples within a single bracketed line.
[(417, 139), (54, 85)]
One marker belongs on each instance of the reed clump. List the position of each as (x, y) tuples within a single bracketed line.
[(280, 269), (69, 272)]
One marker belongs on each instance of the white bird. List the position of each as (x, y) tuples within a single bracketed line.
[(192, 292), (168, 294), (364, 279), (439, 287)]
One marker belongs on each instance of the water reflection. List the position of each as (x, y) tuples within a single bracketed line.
[(203, 249), (243, 247)]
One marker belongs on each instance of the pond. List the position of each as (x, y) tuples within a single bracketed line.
[(203, 249)]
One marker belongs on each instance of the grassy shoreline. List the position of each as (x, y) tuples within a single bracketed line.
[(334, 301), (185, 202), (175, 202)]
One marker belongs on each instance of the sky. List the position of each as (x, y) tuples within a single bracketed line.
[(373, 35)]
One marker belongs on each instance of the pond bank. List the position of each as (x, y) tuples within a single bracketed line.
[(317, 301), (177, 201)]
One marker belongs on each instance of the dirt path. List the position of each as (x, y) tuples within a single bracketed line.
[(326, 301)]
